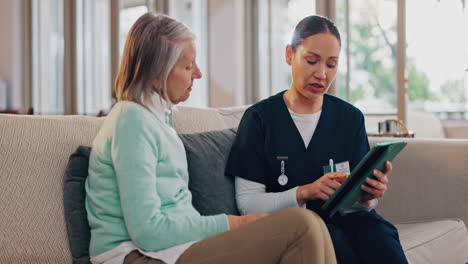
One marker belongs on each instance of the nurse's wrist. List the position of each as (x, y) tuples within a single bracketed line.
[(300, 196)]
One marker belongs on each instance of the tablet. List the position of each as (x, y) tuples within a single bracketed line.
[(350, 190)]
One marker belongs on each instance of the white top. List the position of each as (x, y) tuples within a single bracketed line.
[(305, 124), (163, 111), (252, 197)]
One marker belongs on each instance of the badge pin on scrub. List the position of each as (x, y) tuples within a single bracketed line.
[(337, 167), (282, 179)]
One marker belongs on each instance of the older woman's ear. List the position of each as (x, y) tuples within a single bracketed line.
[(155, 85)]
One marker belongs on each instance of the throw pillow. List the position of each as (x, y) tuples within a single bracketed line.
[(207, 153), (74, 195)]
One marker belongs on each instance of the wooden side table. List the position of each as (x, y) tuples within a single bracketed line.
[(409, 134), (18, 112), (392, 128)]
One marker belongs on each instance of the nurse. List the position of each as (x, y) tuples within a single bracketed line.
[(284, 142)]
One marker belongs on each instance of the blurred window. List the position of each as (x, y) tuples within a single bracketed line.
[(48, 56), (284, 16), (437, 57), (93, 82), (367, 71)]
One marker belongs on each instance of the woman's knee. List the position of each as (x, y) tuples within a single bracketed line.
[(304, 219)]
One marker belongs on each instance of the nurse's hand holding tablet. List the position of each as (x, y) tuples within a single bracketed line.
[(376, 188), (326, 185)]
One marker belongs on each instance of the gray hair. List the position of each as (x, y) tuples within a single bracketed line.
[(153, 46)]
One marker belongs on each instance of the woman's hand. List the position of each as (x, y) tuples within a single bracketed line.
[(376, 188), (236, 221), (322, 188)]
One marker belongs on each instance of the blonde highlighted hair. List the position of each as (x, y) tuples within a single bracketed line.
[(153, 46)]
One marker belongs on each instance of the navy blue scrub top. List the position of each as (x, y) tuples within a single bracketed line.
[(267, 132)]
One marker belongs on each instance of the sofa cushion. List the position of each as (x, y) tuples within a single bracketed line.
[(196, 120), (207, 153), (74, 196), (441, 241), (424, 172)]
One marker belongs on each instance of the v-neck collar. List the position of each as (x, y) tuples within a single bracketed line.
[(292, 125)]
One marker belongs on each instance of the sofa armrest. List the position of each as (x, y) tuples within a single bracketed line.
[(429, 181)]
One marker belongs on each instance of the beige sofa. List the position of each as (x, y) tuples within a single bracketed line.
[(428, 197)]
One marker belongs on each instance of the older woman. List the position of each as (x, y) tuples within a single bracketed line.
[(138, 202), (284, 143)]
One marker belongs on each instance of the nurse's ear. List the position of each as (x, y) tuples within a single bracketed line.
[(288, 53)]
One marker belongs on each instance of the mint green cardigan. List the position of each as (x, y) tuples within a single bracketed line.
[(137, 188)]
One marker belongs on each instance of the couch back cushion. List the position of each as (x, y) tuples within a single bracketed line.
[(231, 116), (423, 175), (34, 152), (207, 153), (195, 120)]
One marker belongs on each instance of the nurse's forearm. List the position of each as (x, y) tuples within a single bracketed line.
[(251, 197)]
